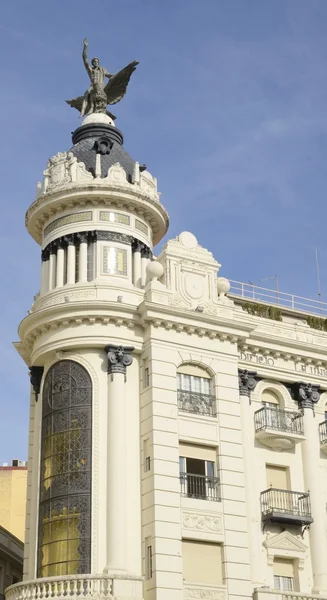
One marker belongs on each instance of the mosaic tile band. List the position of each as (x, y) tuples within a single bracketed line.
[(114, 217), (67, 220)]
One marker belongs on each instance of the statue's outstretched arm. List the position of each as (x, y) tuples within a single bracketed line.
[(84, 55)]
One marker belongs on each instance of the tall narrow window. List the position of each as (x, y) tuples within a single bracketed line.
[(146, 455), (148, 558), (64, 540)]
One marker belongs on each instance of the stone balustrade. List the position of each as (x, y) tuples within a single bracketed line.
[(69, 586), (266, 593)]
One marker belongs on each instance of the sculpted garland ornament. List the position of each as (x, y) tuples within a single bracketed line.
[(100, 93)]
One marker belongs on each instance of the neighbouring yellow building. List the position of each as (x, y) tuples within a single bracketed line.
[(13, 482)]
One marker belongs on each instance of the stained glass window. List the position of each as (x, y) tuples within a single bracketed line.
[(64, 541)]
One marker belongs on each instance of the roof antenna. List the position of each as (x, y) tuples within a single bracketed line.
[(318, 280)]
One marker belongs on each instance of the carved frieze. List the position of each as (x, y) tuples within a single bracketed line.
[(204, 593), (200, 522)]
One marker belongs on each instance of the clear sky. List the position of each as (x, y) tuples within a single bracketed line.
[(228, 108)]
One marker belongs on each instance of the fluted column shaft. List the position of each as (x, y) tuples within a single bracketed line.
[(146, 258), (137, 264), (307, 395), (117, 492), (71, 259), (82, 261), (247, 383), (60, 265), (52, 270)]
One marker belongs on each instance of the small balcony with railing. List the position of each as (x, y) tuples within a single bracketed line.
[(202, 487), (285, 507), (278, 429), (323, 436), (196, 403)]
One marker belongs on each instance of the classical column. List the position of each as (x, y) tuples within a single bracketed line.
[(82, 262), (307, 395), (52, 266), (247, 382), (71, 259), (44, 272), (146, 258), (60, 266), (137, 247), (119, 359)]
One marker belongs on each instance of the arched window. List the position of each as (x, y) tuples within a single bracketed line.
[(194, 390), (270, 399), (64, 541)]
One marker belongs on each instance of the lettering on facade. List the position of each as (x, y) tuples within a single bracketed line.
[(267, 361), (258, 359)]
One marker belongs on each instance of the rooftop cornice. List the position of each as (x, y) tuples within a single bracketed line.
[(131, 198)]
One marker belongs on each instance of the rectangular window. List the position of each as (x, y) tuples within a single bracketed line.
[(146, 377), (197, 473), (278, 477), (283, 574), (148, 558), (146, 455), (202, 562)]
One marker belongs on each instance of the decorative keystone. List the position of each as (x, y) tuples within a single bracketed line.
[(119, 359), (306, 394), (246, 382), (35, 379)]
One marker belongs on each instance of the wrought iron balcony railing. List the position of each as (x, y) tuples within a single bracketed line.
[(200, 486), (279, 420), (284, 506), (195, 402), (323, 432)]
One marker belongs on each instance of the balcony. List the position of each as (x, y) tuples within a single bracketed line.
[(200, 486), (195, 402), (266, 593), (70, 586), (323, 436), (283, 506), (278, 429)]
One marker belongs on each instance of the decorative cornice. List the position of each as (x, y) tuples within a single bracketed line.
[(119, 359), (35, 379), (93, 236), (246, 382), (306, 394)]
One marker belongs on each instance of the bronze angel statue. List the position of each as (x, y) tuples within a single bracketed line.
[(100, 93)]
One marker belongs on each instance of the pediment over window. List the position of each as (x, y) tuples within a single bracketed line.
[(285, 545)]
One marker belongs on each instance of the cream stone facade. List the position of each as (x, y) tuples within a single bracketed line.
[(177, 441), (13, 482)]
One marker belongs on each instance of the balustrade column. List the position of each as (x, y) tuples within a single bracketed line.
[(82, 262), (247, 383), (52, 267), (71, 260), (137, 263), (118, 360), (146, 258), (307, 395), (60, 265)]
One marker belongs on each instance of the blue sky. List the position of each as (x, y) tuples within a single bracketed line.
[(228, 108)]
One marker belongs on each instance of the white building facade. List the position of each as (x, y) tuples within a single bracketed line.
[(177, 435)]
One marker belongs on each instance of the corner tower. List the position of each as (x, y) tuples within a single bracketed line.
[(96, 217)]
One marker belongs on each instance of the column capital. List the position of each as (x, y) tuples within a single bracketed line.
[(35, 379), (137, 245), (69, 239), (119, 359), (146, 252), (306, 394), (246, 381), (81, 237), (45, 254)]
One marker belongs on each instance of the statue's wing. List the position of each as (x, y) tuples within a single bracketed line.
[(76, 103), (117, 84)]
